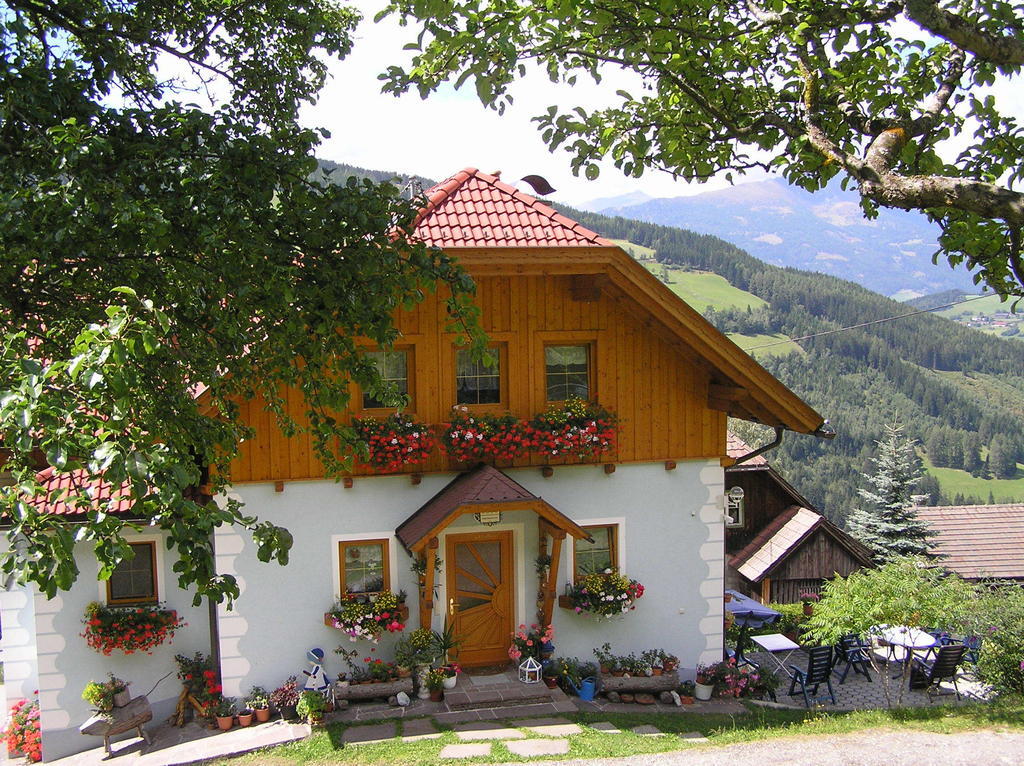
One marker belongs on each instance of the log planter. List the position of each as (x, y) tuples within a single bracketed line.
[(119, 721), (666, 682), (372, 691)]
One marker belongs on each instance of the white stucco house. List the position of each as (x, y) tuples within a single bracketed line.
[(567, 312)]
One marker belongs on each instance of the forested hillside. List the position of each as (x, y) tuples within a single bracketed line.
[(959, 392)]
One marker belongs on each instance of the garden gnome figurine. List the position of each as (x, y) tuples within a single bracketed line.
[(316, 681)]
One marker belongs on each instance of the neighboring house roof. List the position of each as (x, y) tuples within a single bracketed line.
[(60, 484), (783, 535), (498, 229), (474, 209), (979, 541), (736, 448), (482, 488)]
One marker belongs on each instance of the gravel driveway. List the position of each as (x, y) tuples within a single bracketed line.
[(864, 748)]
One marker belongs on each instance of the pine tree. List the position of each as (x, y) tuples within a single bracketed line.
[(888, 523)]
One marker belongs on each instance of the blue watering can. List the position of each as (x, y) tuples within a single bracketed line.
[(586, 689)]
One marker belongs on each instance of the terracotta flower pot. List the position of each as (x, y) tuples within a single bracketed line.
[(656, 671), (245, 719), (436, 695), (808, 610), (262, 714), (225, 722), (550, 681)]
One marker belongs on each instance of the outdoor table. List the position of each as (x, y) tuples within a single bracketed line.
[(776, 642), (907, 638)]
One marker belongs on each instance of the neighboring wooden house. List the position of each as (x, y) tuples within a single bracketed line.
[(566, 311), (979, 542), (777, 545)]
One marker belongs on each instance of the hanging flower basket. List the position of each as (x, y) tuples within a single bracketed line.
[(129, 628), (367, 618), (395, 441), (609, 594), (576, 427), (470, 438)]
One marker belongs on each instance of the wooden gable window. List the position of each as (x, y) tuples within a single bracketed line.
[(567, 372), (134, 581), (394, 367), (364, 566), (475, 381), (599, 555)]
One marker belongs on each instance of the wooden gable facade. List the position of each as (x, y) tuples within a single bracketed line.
[(542, 279)]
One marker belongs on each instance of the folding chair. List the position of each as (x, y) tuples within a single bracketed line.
[(928, 675), (819, 671), (854, 652)]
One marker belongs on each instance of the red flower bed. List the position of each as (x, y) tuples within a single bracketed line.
[(22, 732), (394, 441), (129, 628)]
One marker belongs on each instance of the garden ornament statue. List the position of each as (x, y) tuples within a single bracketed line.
[(316, 679)]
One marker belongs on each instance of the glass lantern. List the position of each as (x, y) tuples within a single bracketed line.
[(530, 671)]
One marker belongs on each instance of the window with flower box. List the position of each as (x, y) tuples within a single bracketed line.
[(476, 381), (567, 370), (395, 368), (134, 580), (363, 565), (597, 556)]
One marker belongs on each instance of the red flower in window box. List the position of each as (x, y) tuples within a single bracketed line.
[(469, 438), (129, 628), (575, 427), (394, 442)]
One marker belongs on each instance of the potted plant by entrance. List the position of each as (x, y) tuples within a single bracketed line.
[(452, 670), (285, 697), (809, 600), (259, 702), (224, 711), (704, 686), (311, 707), (433, 679)]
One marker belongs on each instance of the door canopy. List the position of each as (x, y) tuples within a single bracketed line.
[(480, 490)]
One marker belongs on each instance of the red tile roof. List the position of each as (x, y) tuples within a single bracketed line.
[(58, 485), (474, 209), (979, 540), (737, 448)]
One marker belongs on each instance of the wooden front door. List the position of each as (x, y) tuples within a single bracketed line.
[(480, 600)]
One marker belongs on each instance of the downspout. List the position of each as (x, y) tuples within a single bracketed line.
[(824, 431)]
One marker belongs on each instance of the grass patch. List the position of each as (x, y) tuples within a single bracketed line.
[(702, 288), (953, 481), (773, 345), (757, 724), (637, 251)]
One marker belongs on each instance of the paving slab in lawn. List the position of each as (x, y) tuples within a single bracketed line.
[(476, 750), (486, 730), (695, 737), (647, 730), (605, 726), (533, 747), (549, 727), (375, 732), (419, 728)]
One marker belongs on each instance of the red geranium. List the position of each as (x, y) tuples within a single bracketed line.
[(130, 629)]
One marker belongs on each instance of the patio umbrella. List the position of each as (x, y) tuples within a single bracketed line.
[(750, 613)]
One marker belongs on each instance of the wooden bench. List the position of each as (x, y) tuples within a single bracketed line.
[(119, 721)]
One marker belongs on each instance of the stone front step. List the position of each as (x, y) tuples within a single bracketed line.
[(506, 696)]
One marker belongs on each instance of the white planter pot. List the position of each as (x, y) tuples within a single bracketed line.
[(449, 683), (703, 691)]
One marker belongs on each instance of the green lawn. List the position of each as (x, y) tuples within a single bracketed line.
[(758, 724), (702, 289), (765, 345), (954, 481), (987, 305), (637, 251)]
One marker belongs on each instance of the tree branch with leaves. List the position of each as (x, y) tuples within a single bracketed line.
[(898, 97)]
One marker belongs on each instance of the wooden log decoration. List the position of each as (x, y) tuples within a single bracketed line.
[(119, 721), (663, 683), (348, 691)]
